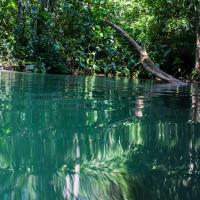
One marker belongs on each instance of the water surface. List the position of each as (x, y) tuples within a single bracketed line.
[(88, 138)]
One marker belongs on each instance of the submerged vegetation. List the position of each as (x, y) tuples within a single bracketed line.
[(65, 36)]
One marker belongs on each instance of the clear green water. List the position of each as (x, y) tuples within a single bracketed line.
[(87, 138)]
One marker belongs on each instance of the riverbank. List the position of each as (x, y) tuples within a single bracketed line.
[(191, 78)]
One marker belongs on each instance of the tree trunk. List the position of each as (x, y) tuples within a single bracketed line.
[(197, 62), (48, 4), (20, 11), (19, 31), (44, 4), (148, 64)]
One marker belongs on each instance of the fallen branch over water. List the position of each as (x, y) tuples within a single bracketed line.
[(145, 60)]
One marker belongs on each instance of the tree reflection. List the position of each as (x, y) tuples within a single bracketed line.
[(95, 138), (73, 181), (139, 106), (195, 103)]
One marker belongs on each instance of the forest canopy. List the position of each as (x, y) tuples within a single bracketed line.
[(64, 36)]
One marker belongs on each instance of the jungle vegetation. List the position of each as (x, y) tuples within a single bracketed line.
[(69, 36)]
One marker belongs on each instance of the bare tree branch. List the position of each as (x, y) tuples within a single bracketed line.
[(148, 64)]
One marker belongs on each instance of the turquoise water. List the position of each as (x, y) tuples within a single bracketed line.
[(87, 138)]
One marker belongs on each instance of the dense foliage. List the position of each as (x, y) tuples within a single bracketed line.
[(61, 36)]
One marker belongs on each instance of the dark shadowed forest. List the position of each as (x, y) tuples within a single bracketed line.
[(70, 36)]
